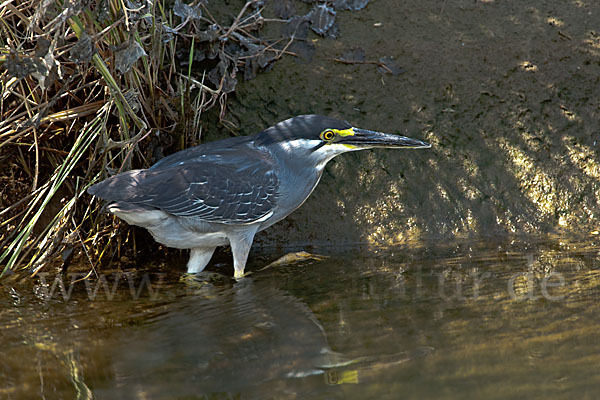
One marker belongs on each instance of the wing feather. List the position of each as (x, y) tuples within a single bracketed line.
[(239, 189)]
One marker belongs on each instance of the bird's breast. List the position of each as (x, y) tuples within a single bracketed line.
[(294, 189)]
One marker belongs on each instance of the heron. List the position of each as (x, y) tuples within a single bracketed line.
[(224, 192)]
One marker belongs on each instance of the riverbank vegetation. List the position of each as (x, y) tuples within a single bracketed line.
[(92, 88)]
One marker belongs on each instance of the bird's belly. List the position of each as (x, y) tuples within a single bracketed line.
[(180, 233), (174, 235)]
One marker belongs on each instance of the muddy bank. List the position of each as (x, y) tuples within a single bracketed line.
[(507, 92)]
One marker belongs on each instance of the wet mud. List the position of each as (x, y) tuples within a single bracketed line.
[(507, 92)]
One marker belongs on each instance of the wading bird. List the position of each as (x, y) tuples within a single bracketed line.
[(224, 192)]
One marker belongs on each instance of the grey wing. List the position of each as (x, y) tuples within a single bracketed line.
[(218, 193), (212, 192)]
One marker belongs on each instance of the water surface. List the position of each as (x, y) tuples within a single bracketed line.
[(467, 319)]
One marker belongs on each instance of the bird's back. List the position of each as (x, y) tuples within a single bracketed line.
[(220, 151), (230, 181)]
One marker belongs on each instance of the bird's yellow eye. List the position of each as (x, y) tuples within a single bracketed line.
[(327, 135)]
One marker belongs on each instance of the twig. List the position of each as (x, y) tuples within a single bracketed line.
[(378, 63), (199, 84), (236, 22), (207, 11), (42, 148), (37, 160), (137, 140)]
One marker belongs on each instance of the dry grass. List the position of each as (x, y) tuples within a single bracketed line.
[(91, 88)]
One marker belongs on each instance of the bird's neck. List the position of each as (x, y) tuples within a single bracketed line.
[(297, 179)]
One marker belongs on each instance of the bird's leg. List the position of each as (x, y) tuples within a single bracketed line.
[(199, 257), (240, 247)]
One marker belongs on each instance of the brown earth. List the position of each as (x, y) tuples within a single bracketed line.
[(508, 93)]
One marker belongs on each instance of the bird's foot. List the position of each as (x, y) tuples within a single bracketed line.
[(239, 274), (202, 278)]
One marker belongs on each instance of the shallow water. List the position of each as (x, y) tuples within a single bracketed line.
[(467, 319)]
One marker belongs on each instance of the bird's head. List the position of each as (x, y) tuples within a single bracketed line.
[(319, 139)]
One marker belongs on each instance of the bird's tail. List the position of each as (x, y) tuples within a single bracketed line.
[(117, 187)]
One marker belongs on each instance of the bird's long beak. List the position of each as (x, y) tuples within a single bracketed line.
[(363, 138)]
